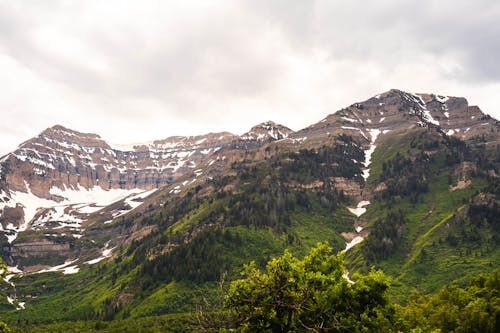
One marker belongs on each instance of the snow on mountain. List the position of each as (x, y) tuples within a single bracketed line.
[(267, 131), (60, 177), (68, 212)]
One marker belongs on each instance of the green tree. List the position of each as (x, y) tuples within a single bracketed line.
[(312, 294), (475, 309), (3, 272)]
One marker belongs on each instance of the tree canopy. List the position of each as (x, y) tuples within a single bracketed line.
[(312, 294)]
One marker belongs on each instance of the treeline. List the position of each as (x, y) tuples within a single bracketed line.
[(477, 231), (385, 237), (307, 165), (405, 176), (202, 260), (342, 160)]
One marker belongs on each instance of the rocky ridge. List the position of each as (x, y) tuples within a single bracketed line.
[(62, 178)]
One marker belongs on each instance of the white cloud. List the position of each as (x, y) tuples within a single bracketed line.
[(143, 70)]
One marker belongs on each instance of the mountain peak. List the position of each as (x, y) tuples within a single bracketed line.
[(61, 131), (67, 136), (267, 131), (420, 100)]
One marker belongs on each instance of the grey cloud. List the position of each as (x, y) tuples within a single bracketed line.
[(393, 31), (202, 60), (175, 63), (383, 31)]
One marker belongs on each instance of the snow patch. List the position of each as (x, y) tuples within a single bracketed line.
[(64, 268), (428, 117), (106, 253), (360, 208), (71, 270), (79, 200), (426, 114), (349, 119), (442, 99), (302, 139), (136, 200), (95, 195), (374, 133), (356, 240), (356, 129), (30, 204), (20, 305), (346, 276)]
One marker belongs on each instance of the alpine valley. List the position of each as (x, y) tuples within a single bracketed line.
[(96, 232)]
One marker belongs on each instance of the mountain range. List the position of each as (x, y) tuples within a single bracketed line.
[(405, 182)]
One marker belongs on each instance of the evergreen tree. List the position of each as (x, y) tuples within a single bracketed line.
[(312, 294)]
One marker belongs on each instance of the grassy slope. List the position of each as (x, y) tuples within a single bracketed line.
[(86, 293), (425, 261)]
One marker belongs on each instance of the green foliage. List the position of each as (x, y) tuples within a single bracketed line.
[(446, 235), (452, 309), (3, 269), (405, 176), (3, 272), (174, 323), (4, 328), (309, 295), (385, 236)]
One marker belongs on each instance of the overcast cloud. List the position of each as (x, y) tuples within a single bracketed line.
[(133, 71)]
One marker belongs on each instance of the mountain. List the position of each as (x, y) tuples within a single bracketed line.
[(404, 182), (267, 131)]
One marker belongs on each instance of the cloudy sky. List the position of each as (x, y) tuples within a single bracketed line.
[(134, 71)]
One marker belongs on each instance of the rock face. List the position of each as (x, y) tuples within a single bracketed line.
[(65, 159), (63, 175), (40, 247), (397, 110), (266, 132)]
